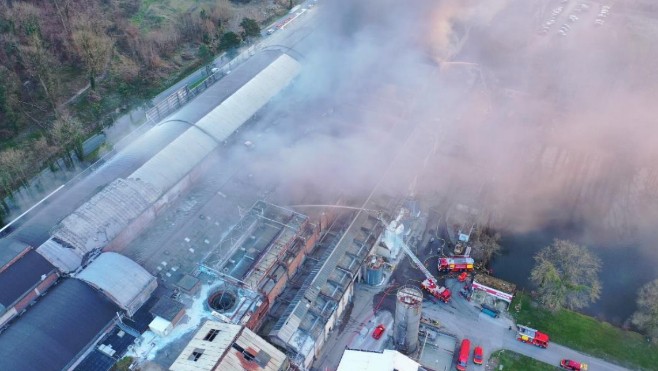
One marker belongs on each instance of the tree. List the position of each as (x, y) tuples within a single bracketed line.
[(94, 47), (566, 275), (42, 65), (68, 133), (14, 167), (229, 41), (646, 316), (485, 244), (250, 28)]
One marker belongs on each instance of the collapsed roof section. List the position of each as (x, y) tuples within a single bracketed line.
[(317, 303)]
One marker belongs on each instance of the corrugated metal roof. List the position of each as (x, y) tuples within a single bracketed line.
[(124, 281), (166, 168), (98, 220), (22, 276), (10, 248), (60, 326), (64, 258), (102, 218)]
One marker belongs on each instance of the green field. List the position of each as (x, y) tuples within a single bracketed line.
[(587, 334), (514, 361)]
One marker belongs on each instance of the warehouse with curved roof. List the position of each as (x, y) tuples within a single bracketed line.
[(97, 222), (121, 279)]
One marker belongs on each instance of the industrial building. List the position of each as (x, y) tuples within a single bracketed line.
[(22, 282), (264, 250), (388, 360), (74, 314), (317, 307), (229, 347), (111, 219), (492, 291), (121, 279), (123, 209), (58, 329)]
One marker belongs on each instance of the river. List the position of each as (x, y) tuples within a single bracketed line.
[(624, 270)]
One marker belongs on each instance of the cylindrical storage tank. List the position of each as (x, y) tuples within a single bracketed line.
[(374, 271), (407, 319)]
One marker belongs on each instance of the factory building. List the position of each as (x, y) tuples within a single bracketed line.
[(22, 282), (388, 360), (58, 329), (62, 326), (123, 209), (317, 307), (229, 347), (121, 279), (264, 249), (115, 216)]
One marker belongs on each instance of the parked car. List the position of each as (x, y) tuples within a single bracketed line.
[(478, 357), (573, 365), (379, 331)]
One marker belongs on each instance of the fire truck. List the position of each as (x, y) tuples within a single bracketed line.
[(430, 283), (531, 336), (457, 263), (439, 292)]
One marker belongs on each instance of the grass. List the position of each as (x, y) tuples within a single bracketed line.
[(587, 334), (515, 361)]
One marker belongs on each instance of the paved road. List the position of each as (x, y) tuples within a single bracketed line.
[(462, 319)]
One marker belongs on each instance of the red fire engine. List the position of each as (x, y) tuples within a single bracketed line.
[(457, 263), (531, 336), (439, 292)]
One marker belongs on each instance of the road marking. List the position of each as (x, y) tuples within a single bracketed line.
[(30, 209)]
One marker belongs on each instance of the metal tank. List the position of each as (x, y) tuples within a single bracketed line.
[(407, 319), (374, 271)]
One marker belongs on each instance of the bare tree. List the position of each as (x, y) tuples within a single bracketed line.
[(566, 275), (41, 65), (94, 46), (68, 133), (14, 165), (646, 315), (63, 7), (485, 244)]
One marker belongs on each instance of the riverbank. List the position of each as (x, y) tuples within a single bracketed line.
[(586, 334)]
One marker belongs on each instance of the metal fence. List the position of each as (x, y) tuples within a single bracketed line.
[(182, 96)]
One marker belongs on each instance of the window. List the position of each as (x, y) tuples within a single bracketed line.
[(247, 355), (196, 354), (210, 336)]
